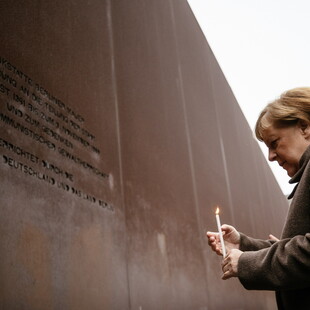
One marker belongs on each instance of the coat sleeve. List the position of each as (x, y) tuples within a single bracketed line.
[(283, 266), (251, 244)]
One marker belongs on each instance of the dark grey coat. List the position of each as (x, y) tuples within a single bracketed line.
[(283, 266)]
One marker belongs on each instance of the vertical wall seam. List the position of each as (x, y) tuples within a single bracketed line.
[(119, 146), (189, 144), (223, 154)]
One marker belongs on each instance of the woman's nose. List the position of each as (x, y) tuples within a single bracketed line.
[(272, 155)]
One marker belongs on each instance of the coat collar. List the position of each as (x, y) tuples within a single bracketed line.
[(302, 166)]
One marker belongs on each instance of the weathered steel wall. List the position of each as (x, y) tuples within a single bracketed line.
[(119, 135)]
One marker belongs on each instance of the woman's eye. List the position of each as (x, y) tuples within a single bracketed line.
[(274, 143)]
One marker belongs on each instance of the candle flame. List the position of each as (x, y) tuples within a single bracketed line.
[(217, 210)]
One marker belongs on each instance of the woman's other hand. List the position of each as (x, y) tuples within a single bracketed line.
[(231, 238), (273, 238), (230, 264)]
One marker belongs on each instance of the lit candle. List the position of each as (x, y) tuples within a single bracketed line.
[(217, 216)]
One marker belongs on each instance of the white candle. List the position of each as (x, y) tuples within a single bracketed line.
[(217, 216)]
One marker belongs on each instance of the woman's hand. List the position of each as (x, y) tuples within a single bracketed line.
[(231, 238), (230, 264), (273, 238)]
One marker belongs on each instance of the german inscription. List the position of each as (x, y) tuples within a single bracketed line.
[(32, 111)]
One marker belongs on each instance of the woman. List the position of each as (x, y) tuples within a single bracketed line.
[(279, 265)]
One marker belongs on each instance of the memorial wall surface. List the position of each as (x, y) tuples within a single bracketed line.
[(119, 136)]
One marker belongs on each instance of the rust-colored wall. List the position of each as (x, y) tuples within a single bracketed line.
[(118, 137)]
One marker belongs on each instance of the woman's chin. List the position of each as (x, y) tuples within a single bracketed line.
[(291, 172)]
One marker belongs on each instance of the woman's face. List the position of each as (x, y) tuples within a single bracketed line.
[(286, 145)]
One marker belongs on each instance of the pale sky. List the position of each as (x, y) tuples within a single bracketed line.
[(263, 48)]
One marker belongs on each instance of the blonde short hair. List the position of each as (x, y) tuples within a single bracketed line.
[(291, 107)]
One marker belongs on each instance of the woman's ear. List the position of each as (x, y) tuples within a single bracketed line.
[(305, 128)]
